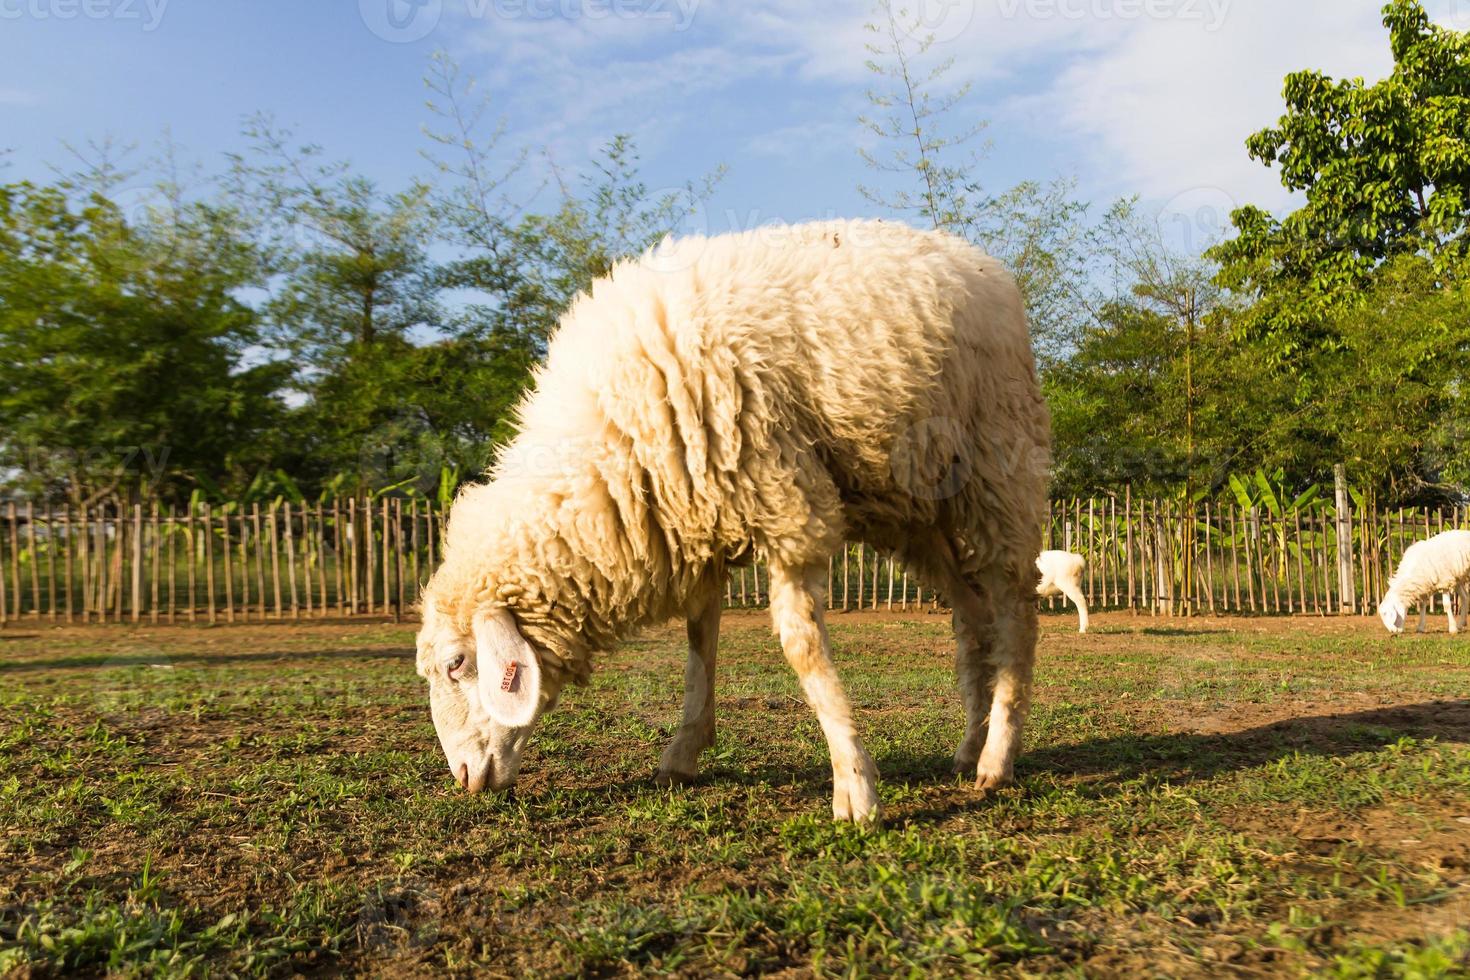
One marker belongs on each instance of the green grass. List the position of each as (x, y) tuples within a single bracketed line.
[(1196, 798)]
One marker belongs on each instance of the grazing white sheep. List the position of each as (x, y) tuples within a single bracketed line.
[(1061, 574), (1440, 564), (776, 391)]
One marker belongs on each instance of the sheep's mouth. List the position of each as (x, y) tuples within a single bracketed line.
[(476, 778), (486, 777)]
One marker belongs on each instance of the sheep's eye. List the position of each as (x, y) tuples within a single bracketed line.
[(456, 667)]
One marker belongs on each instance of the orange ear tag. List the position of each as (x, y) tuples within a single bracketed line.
[(508, 680)]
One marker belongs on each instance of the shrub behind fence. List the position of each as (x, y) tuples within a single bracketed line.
[(356, 557)]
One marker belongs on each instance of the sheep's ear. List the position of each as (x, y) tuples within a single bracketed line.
[(509, 673)]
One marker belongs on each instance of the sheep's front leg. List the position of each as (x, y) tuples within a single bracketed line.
[(796, 613), (1449, 611), (680, 760)]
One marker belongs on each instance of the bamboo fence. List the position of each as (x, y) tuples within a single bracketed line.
[(368, 557)]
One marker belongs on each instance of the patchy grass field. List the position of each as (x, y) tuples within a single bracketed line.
[(1201, 797)]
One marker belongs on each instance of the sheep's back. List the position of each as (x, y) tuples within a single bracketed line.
[(868, 353)]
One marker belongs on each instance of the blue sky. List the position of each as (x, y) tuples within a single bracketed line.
[(1146, 97)]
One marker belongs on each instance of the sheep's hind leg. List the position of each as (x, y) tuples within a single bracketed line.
[(1080, 601), (680, 760), (974, 636), (1449, 612), (1013, 657), (975, 678), (796, 613)]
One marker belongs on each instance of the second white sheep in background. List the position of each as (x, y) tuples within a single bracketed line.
[(1440, 564), (1061, 574)]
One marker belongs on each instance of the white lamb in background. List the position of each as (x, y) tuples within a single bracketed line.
[(777, 391), (1061, 575), (1440, 564)]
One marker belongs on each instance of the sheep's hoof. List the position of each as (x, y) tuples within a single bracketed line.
[(987, 784), (856, 800), (967, 754), (864, 813), (668, 777)]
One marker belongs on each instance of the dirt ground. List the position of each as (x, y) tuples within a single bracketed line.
[(1198, 796)]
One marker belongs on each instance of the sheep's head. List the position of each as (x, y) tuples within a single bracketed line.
[(1393, 613), (485, 693)]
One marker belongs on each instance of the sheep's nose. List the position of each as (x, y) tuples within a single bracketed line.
[(480, 780), (462, 775)]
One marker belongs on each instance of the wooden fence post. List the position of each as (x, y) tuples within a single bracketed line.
[(66, 559), (15, 594), (319, 542), (1347, 601), (193, 541), (137, 562), (1128, 548), (4, 614), (35, 559), (155, 552), (230, 564), (398, 559), (209, 563)]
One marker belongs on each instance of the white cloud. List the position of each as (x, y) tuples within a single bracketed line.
[(1164, 107), (1154, 97), (18, 97), (571, 83)]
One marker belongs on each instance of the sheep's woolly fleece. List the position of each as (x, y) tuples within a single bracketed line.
[(1059, 568), (780, 389), (1436, 565)]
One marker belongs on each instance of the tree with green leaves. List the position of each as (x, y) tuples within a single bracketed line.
[(354, 295), (1141, 395), (351, 260), (1385, 169), (125, 366), (1395, 405)]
